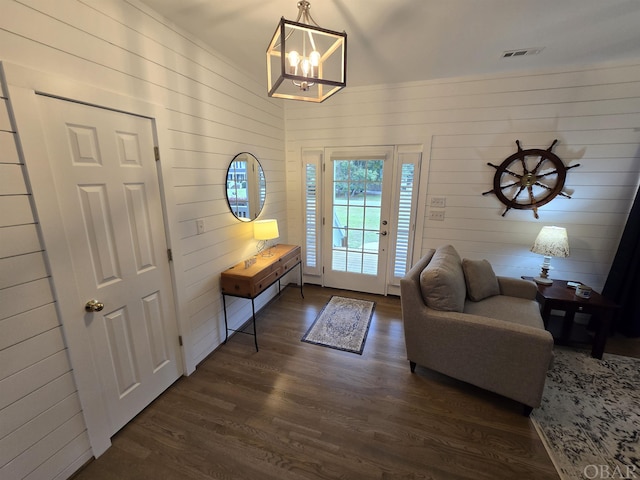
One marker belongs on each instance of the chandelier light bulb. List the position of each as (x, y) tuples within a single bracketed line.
[(306, 67), (294, 60), (314, 58)]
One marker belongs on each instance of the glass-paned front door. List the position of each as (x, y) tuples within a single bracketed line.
[(357, 191), (358, 216)]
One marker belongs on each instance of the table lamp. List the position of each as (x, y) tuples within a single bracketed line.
[(550, 242), (265, 230)]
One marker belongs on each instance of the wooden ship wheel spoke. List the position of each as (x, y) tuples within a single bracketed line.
[(548, 183)]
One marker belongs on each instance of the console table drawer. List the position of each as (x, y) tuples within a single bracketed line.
[(290, 260), (249, 282), (265, 282), (249, 287), (265, 273)]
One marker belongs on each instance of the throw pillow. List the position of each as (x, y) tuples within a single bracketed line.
[(480, 279), (442, 281)]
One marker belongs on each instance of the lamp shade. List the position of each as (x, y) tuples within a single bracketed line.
[(552, 242), (265, 229)]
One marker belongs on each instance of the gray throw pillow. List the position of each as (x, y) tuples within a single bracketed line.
[(442, 281), (480, 279)]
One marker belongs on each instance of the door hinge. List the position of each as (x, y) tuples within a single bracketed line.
[(156, 152), (170, 254), (180, 339)]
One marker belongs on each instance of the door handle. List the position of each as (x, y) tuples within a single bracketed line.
[(93, 306)]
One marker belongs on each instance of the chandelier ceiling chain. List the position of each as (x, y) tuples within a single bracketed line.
[(305, 15), (303, 11)]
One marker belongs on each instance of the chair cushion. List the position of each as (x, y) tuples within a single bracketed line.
[(480, 279), (510, 309), (442, 281)]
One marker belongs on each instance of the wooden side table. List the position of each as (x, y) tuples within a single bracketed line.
[(249, 282), (559, 296)]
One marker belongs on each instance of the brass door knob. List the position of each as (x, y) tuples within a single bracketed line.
[(93, 306)]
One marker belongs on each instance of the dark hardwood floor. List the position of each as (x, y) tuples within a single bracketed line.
[(300, 411)]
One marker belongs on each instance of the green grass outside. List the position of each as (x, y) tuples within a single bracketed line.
[(351, 213)]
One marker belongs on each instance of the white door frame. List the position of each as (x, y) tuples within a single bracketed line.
[(23, 85), (315, 155)]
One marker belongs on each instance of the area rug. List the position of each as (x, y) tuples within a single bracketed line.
[(589, 419), (342, 324)]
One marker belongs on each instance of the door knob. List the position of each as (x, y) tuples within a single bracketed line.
[(93, 306)]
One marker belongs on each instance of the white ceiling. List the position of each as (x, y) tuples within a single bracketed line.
[(393, 41)]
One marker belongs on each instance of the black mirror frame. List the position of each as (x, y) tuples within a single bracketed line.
[(256, 195)]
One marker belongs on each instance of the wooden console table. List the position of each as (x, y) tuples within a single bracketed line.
[(250, 282)]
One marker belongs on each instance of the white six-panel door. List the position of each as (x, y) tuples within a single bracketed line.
[(107, 186)]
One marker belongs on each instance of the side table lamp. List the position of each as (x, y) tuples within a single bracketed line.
[(550, 242), (265, 230)]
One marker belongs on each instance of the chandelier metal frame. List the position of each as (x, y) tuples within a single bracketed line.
[(322, 76)]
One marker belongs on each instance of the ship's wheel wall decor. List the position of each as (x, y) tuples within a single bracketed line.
[(519, 186)]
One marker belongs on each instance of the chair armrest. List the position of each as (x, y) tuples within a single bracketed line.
[(518, 287)]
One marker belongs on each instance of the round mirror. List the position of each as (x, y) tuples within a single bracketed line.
[(246, 187)]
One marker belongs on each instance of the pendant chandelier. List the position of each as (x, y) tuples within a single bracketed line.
[(305, 61)]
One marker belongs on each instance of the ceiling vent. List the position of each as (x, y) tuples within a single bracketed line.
[(521, 52)]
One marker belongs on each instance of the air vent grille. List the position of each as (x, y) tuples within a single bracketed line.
[(521, 52)]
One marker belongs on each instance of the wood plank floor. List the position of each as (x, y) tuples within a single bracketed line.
[(300, 411)]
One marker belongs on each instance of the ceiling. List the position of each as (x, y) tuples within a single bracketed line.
[(392, 41)]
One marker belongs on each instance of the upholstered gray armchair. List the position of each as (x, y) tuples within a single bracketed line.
[(497, 342)]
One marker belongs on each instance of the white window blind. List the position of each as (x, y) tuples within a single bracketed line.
[(311, 221), (311, 181), (405, 207), (405, 204)]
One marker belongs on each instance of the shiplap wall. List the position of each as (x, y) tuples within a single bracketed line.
[(463, 123), (213, 111), (42, 431)]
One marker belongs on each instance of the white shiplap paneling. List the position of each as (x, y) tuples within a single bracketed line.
[(594, 113), (212, 111), (35, 373)]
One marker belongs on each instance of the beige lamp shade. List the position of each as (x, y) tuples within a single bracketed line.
[(550, 242), (265, 229)]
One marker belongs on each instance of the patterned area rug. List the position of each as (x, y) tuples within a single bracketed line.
[(590, 415), (342, 324)]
